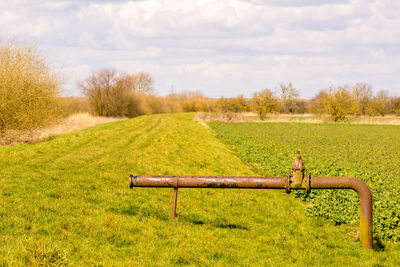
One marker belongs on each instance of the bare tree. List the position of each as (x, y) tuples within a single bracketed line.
[(113, 93), (362, 94), (381, 104), (140, 83), (289, 94)]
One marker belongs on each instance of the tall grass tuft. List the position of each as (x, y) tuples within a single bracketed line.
[(28, 89)]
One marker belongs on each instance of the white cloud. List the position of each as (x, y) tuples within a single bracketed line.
[(223, 47)]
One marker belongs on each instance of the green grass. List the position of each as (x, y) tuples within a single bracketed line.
[(67, 202)]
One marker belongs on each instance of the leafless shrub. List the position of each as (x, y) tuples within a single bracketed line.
[(28, 89)]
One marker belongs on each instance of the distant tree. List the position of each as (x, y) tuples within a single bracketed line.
[(301, 106), (362, 94), (237, 104), (193, 101), (101, 89), (340, 103), (241, 104), (113, 93), (264, 103), (396, 106), (320, 103), (356, 100), (380, 104), (224, 105), (140, 83), (289, 94)]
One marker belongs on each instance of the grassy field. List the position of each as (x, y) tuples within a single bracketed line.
[(67, 202)]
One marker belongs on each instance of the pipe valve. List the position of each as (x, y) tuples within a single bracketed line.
[(296, 179)]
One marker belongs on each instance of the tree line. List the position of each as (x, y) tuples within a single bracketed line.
[(29, 96), (113, 93), (357, 100), (337, 102)]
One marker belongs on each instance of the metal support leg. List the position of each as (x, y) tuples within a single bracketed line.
[(175, 200)]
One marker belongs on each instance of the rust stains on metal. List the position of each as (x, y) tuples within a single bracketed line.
[(287, 183), (293, 180), (208, 181)]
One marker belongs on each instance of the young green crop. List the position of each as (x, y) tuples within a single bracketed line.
[(369, 152)]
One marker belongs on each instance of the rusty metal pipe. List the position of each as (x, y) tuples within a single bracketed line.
[(365, 201), (207, 181), (250, 182)]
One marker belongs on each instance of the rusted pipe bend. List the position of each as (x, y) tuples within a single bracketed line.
[(268, 183), (365, 201)]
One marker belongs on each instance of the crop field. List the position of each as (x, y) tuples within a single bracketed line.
[(369, 152), (66, 201)]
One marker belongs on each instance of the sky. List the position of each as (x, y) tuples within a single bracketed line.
[(221, 48)]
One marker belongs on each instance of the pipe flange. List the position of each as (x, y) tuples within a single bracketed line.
[(287, 183), (308, 183), (175, 182), (131, 181)]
